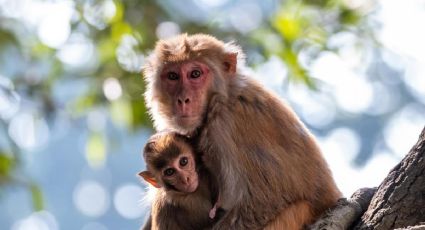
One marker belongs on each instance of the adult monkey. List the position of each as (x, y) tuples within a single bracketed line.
[(270, 170)]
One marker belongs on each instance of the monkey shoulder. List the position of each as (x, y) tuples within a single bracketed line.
[(187, 214), (210, 185), (251, 96)]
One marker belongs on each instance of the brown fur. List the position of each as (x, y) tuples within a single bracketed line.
[(175, 210), (292, 217), (270, 170)]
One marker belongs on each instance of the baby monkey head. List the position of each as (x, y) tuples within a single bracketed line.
[(170, 162)]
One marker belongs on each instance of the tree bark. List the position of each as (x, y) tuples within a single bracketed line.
[(398, 203), (400, 200), (345, 212)]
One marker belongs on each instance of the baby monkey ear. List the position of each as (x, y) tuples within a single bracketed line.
[(149, 177)]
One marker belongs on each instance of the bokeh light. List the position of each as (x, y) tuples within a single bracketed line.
[(402, 130), (9, 99), (71, 91), (383, 100), (91, 198), (78, 52), (352, 92), (99, 12), (127, 199), (317, 109), (54, 29), (127, 56), (245, 17), (96, 120), (42, 220), (167, 29), (112, 89), (342, 141), (210, 3), (415, 80), (94, 226), (28, 131), (266, 73), (394, 33)]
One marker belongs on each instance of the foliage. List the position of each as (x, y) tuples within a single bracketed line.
[(118, 42)]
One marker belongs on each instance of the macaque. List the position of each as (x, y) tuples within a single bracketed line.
[(270, 171), (185, 191)]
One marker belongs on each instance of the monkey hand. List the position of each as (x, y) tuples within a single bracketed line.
[(213, 211)]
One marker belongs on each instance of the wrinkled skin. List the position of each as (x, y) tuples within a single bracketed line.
[(186, 85)]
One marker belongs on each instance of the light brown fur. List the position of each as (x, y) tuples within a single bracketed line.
[(173, 209), (270, 170), (292, 217)]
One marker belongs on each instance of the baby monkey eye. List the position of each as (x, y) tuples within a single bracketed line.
[(172, 76), (195, 73), (183, 161), (169, 172)]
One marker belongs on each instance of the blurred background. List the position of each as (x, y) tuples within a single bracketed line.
[(72, 115)]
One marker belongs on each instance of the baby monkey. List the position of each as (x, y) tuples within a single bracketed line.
[(187, 195)]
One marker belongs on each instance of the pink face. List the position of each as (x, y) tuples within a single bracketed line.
[(186, 84), (181, 174)]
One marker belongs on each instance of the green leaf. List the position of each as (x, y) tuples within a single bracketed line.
[(140, 114), (297, 72), (96, 150), (121, 112), (82, 104), (349, 16), (37, 197), (7, 37), (288, 26), (119, 12), (106, 50), (119, 29), (7, 163)]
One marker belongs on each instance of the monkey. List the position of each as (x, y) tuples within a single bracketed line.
[(269, 168), (185, 196)]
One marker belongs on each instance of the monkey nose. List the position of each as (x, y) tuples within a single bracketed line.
[(182, 101), (187, 180)]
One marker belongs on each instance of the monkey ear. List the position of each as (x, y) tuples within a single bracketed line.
[(230, 62), (148, 177)]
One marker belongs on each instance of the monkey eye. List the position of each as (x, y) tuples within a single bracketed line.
[(195, 73), (172, 76), (169, 172), (183, 161)]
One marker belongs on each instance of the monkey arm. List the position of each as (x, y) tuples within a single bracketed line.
[(346, 211), (237, 189), (213, 211), (263, 156), (222, 166)]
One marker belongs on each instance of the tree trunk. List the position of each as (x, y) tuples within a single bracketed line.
[(399, 201)]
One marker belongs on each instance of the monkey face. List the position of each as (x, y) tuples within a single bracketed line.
[(183, 74), (171, 164), (181, 175), (186, 86)]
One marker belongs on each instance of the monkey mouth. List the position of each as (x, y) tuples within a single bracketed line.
[(186, 115), (191, 188), (183, 190), (186, 119)]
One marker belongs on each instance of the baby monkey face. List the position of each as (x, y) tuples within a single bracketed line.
[(180, 174), (171, 163)]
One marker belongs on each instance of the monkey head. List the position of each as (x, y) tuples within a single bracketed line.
[(170, 163), (182, 74)]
